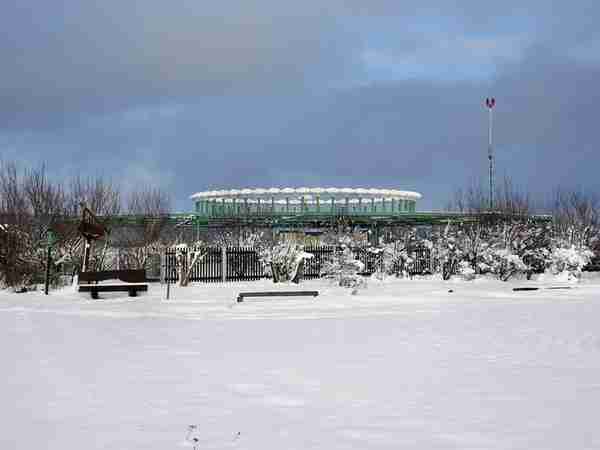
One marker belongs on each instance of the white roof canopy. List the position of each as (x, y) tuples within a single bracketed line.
[(297, 193)]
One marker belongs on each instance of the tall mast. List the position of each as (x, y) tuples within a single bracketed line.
[(490, 103)]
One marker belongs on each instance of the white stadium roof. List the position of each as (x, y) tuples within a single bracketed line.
[(304, 191)]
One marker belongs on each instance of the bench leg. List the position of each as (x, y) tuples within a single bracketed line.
[(240, 299), (94, 294), (132, 292)]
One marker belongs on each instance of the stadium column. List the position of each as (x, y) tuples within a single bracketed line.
[(196, 219)]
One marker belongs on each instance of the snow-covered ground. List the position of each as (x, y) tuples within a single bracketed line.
[(403, 364)]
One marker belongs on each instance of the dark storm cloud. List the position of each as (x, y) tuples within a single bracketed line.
[(63, 57), (194, 96)]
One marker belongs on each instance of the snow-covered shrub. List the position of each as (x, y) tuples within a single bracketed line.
[(536, 260), (395, 260), (286, 261), (472, 240), (16, 263), (530, 242), (344, 269), (23, 260), (503, 263), (400, 258), (512, 247), (186, 257), (447, 253), (466, 271), (570, 260)]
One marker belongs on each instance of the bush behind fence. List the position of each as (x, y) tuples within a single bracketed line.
[(244, 264)]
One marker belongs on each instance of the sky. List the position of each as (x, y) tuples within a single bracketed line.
[(190, 96)]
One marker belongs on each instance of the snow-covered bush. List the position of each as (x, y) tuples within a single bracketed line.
[(400, 258), (286, 261), (466, 271), (503, 263), (570, 260), (344, 268), (472, 240), (448, 253), (537, 260), (513, 247), (395, 260), (23, 260), (186, 257), (529, 241)]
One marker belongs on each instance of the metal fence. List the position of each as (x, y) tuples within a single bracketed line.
[(243, 263)]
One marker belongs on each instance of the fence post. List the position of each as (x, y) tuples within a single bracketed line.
[(163, 267), (224, 263), (48, 261)]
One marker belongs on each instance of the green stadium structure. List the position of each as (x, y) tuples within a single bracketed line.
[(303, 202)]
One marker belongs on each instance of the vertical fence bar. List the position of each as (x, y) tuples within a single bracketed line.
[(223, 264)]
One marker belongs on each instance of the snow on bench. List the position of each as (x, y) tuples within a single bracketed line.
[(131, 281)]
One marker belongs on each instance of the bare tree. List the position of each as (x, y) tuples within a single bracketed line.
[(103, 197), (471, 199), (29, 206), (511, 200), (14, 261), (99, 194), (143, 237), (508, 199), (576, 217), (46, 203)]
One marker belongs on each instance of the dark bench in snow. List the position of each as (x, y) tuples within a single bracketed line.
[(241, 296), (128, 276), (132, 288), (133, 282), (536, 288)]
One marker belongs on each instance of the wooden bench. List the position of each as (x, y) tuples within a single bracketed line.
[(134, 282), (536, 288), (132, 288), (241, 296)]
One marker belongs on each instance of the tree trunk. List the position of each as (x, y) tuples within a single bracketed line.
[(299, 272)]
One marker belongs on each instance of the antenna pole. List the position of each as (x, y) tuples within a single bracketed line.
[(490, 103)]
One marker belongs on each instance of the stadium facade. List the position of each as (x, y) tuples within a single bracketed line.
[(303, 201)]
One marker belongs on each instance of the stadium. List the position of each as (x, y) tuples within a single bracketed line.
[(303, 201)]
